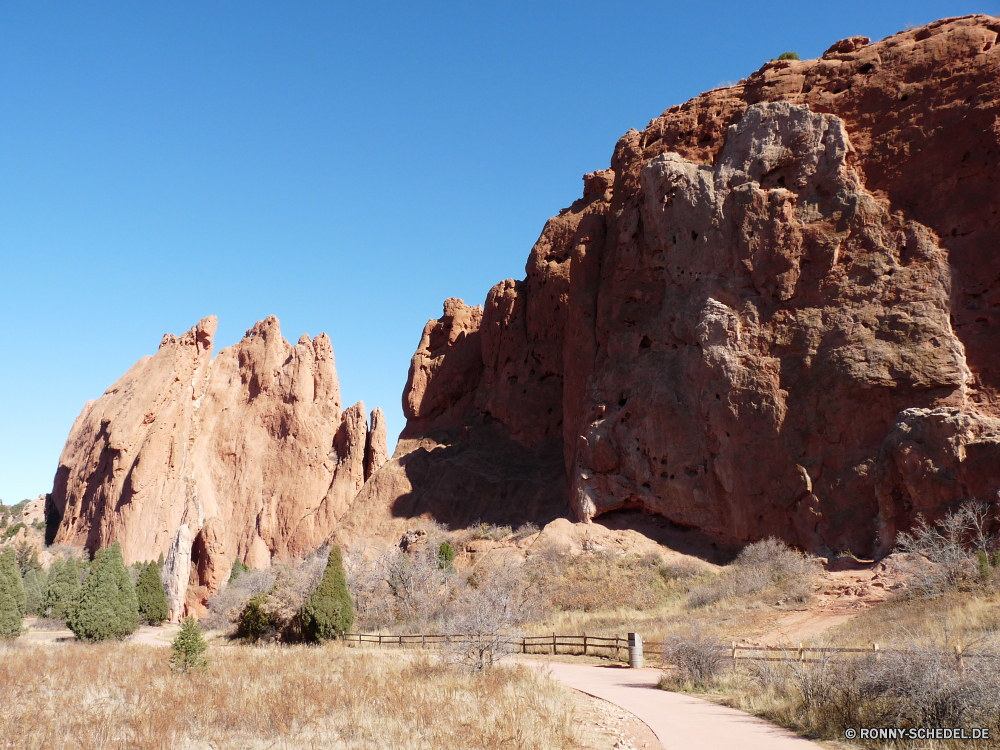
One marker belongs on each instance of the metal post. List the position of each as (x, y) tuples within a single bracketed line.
[(635, 660)]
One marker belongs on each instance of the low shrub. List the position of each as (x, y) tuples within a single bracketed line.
[(254, 621), (767, 570), (949, 554), (697, 656), (188, 648)]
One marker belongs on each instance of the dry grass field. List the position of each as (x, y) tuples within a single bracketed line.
[(117, 695)]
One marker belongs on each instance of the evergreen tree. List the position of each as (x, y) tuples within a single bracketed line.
[(254, 622), (189, 648), (152, 598), (329, 611), (12, 597), (33, 593), (108, 605), (62, 590), (239, 568), (446, 556)]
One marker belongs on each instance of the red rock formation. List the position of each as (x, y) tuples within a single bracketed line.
[(248, 450), (741, 321), (376, 449)]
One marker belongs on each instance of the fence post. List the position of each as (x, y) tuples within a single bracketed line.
[(958, 658), (734, 652), (802, 652), (878, 656), (379, 639), (584, 644), (423, 641), (524, 645), (635, 660), (553, 644)]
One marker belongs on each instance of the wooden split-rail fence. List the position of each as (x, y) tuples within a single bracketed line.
[(617, 647), (817, 655), (586, 645)]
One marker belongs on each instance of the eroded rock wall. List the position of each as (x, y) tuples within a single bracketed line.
[(726, 329), (248, 450)]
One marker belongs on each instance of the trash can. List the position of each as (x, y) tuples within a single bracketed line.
[(635, 651)]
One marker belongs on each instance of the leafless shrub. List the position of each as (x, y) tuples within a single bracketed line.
[(286, 585), (921, 686), (765, 569), (487, 615), (943, 554), (598, 580), (389, 586), (483, 530), (697, 655), (525, 530)]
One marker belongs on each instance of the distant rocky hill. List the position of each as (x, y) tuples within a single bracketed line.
[(778, 312), (204, 459)]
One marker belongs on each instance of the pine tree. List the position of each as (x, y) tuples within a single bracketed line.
[(108, 605), (446, 556), (239, 568), (33, 593), (189, 648), (62, 590), (12, 596), (152, 598), (329, 611)]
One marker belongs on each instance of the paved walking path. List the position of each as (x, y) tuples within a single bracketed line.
[(680, 722)]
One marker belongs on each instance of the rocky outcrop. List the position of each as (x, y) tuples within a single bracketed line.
[(733, 326), (376, 448), (249, 450)]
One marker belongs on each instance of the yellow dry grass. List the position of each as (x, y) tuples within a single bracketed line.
[(113, 696), (961, 618)]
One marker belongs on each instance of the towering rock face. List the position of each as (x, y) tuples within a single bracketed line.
[(248, 451), (776, 313)]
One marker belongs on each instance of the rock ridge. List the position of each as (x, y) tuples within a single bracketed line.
[(206, 459), (775, 313)]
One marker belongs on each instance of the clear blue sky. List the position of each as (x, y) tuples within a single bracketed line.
[(345, 167)]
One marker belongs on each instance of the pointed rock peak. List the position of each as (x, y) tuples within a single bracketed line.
[(376, 449), (304, 339), (267, 328), (200, 336)]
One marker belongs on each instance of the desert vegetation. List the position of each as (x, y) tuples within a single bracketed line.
[(949, 607), (126, 696)]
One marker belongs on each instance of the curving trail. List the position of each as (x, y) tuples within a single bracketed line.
[(680, 722)]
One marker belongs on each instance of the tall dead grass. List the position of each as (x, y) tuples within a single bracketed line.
[(114, 696)]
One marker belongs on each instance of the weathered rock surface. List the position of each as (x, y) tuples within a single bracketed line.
[(249, 451), (737, 315)]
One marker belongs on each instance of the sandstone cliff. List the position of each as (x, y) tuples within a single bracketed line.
[(245, 455), (776, 313)]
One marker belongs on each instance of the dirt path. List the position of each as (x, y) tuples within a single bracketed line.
[(680, 722)]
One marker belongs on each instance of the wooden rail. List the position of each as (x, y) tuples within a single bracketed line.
[(617, 646), (529, 644), (816, 655)]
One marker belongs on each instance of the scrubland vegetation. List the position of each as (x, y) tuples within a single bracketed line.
[(115, 695), (479, 582), (952, 600)]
